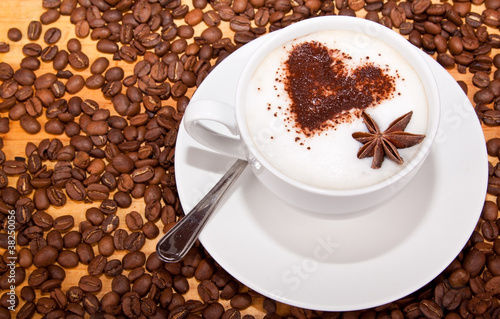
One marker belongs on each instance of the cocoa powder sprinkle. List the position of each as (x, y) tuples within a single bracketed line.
[(323, 87)]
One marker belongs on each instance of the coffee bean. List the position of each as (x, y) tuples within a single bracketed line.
[(14, 34), (89, 283), (34, 30), (133, 260), (490, 230), (72, 239), (52, 35), (45, 256), (97, 192), (113, 268), (92, 235), (82, 28), (50, 16), (75, 189), (106, 246), (131, 304), (110, 223), (68, 259), (57, 198), (123, 163), (37, 277), (481, 79), (78, 60), (213, 310), (241, 301), (134, 241), (229, 290), (85, 253), (75, 83), (120, 284), (207, 290), (134, 220), (474, 262), (96, 265)]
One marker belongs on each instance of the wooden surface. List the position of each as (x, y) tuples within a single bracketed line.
[(15, 13)]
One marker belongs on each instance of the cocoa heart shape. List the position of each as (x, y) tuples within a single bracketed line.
[(323, 87)]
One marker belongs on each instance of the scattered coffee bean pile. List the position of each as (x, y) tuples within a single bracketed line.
[(127, 152)]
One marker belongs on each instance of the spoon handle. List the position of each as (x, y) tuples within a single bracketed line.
[(175, 244)]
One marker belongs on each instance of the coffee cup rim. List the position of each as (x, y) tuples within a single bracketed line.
[(393, 39)]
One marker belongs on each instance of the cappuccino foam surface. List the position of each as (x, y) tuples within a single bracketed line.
[(328, 159)]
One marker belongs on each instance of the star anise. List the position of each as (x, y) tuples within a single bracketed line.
[(380, 144)]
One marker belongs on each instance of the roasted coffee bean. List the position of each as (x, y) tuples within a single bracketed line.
[(490, 17), (50, 16), (89, 283), (28, 294), (52, 35), (92, 235), (78, 60), (120, 284), (481, 79), (474, 262), (46, 256), (64, 223), (133, 260), (55, 239), (75, 84), (105, 246), (14, 34), (45, 305), (131, 304), (119, 238), (136, 273), (27, 311), (97, 192), (134, 241), (142, 285), (85, 252), (229, 290), (96, 265), (37, 277), (72, 239), (34, 30), (123, 163), (207, 290), (6, 71), (110, 223), (490, 230), (213, 310), (13, 167), (82, 28), (142, 174), (30, 124), (68, 259), (54, 127), (57, 198), (4, 47), (95, 216), (24, 77), (134, 220), (242, 301)]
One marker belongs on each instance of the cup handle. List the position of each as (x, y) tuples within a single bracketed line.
[(200, 111)]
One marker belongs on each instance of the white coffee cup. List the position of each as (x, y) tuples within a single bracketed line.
[(238, 141)]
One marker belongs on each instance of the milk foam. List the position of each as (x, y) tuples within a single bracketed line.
[(329, 160)]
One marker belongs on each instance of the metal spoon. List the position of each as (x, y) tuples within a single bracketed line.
[(175, 244)]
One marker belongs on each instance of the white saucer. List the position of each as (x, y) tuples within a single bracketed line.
[(340, 264)]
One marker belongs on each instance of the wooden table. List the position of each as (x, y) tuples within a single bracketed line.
[(15, 13)]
